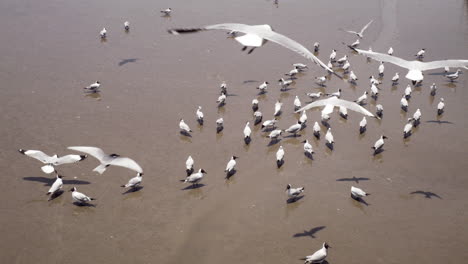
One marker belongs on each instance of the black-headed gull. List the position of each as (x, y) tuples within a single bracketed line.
[(280, 157), (56, 186), (166, 11), (263, 87), (357, 193), (94, 87), (51, 161), (80, 197), (294, 192), (134, 182), (103, 33), (189, 165), (360, 33), (379, 144), (440, 106), (127, 26), (452, 77), (319, 255), (195, 178), (184, 127)]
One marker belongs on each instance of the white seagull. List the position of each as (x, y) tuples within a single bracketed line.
[(316, 129), (221, 99), (329, 136), (407, 128), (395, 78), (56, 186), (284, 83), (352, 77), (166, 11), (134, 182), (433, 89), (219, 124), (379, 110), (343, 112), (404, 103), (390, 51), (335, 94), (331, 102), (269, 123), (415, 68), (247, 131), (127, 26), (308, 147), (314, 95), (107, 160), (362, 125), (303, 117), (408, 91), (342, 60), (440, 106), (355, 43), (362, 99), (319, 255), (417, 115), (195, 178), (103, 33), (297, 103), (316, 46), (94, 87), (278, 105), (231, 164), (256, 36), (280, 156), (200, 115), (379, 143), (223, 88), (255, 104), (357, 193), (420, 53), (189, 165), (360, 33), (51, 161), (321, 80), (263, 87), (300, 66), (258, 117), (381, 68), (333, 55), (295, 128), (80, 197), (275, 133), (346, 66), (452, 77), (374, 90), (294, 192), (184, 127)]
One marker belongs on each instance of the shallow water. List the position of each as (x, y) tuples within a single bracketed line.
[(151, 79)]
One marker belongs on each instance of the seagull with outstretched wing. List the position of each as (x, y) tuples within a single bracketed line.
[(332, 102), (360, 33)]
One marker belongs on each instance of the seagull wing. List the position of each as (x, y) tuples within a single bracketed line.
[(365, 27), (69, 159), (93, 151), (37, 154), (127, 163), (350, 31), (444, 63), (264, 32), (338, 102), (387, 58)]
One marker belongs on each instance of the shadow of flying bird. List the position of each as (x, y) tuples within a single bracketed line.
[(125, 61), (354, 179), (427, 195), (310, 233)]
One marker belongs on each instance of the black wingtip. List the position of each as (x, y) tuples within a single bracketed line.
[(182, 180), (177, 31), (123, 186), (83, 157), (22, 151)]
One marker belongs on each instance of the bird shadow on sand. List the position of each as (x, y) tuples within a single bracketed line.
[(427, 195), (132, 190), (230, 173), (83, 204), (329, 145), (273, 142), (360, 200), (185, 133), (378, 151), (50, 181), (193, 186), (249, 81), (440, 122), (55, 195), (125, 61), (309, 155), (353, 179), (309, 233), (294, 199)]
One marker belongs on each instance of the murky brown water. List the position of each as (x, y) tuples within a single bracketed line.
[(50, 50)]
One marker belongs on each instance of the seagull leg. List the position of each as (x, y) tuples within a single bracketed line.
[(244, 48), (251, 50)]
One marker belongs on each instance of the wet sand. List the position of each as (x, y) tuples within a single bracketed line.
[(52, 49)]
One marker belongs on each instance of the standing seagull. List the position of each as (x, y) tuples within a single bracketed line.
[(407, 128), (303, 118), (263, 87), (293, 193), (256, 36), (316, 130), (316, 46), (333, 55), (219, 125), (433, 89), (329, 137), (258, 117), (56, 186), (417, 117), (381, 68), (223, 87), (308, 150), (362, 125), (284, 83), (107, 160), (379, 144), (440, 107), (352, 77), (408, 91), (297, 103), (404, 103), (390, 51), (221, 100), (452, 77), (279, 157), (184, 127), (357, 193), (331, 102), (230, 165), (362, 99), (195, 178), (255, 104), (134, 182), (94, 87), (127, 26), (321, 80), (51, 161), (294, 128), (379, 110), (360, 33), (200, 116), (420, 54), (189, 165), (167, 11), (395, 79), (278, 105), (103, 33), (80, 197), (247, 132), (319, 255)]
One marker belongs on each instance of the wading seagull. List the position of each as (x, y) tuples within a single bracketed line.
[(342, 60), (308, 150), (279, 157), (200, 115), (292, 73), (134, 182), (189, 165), (407, 128), (360, 33), (221, 99), (331, 102), (374, 91), (433, 89), (255, 104), (333, 55), (278, 105), (293, 193), (362, 99), (417, 116), (195, 178), (263, 87), (352, 77), (94, 87), (219, 124), (166, 11), (300, 66), (404, 103), (258, 117), (303, 117), (275, 133), (381, 68), (269, 123), (362, 125), (379, 110), (316, 46), (316, 129), (440, 106), (319, 255), (184, 127), (346, 66), (247, 132), (452, 77), (223, 88), (314, 95), (80, 197), (295, 128), (446, 69), (56, 186), (395, 78), (420, 53), (103, 33), (127, 26), (284, 83), (408, 91), (390, 51), (256, 36), (107, 160), (357, 193), (379, 144), (373, 80), (415, 68), (321, 80), (297, 103), (231, 164), (51, 161), (335, 94), (329, 136)]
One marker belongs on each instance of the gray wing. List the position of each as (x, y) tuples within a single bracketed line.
[(387, 58), (338, 102), (444, 63), (37, 154), (366, 26), (93, 151), (262, 32), (127, 163), (69, 159)]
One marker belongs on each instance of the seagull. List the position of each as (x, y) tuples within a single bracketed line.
[(395, 78), (362, 99), (221, 99), (374, 90), (294, 128), (446, 69), (316, 130), (297, 103), (231, 164), (440, 106), (329, 64), (166, 11), (279, 157), (346, 66), (342, 60), (319, 255), (335, 94), (316, 46), (314, 95), (300, 66), (408, 91), (258, 117), (80, 197), (417, 116), (379, 110), (415, 68), (284, 83), (189, 165), (433, 89), (219, 124), (269, 123), (373, 80), (408, 127), (343, 112), (247, 131), (331, 102), (223, 88), (107, 160), (275, 133), (329, 136), (292, 73), (357, 193), (263, 87), (362, 125), (333, 55), (184, 127), (200, 115), (134, 182), (452, 77), (420, 53), (51, 161), (352, 77), (256, 36), (355, 44), (404, 103), (195, 178), (255, 104), (381, 68), (127, 26), (308, 147), (390, 51), (360, 33), (103, 33), (278, 105), (379, 144), (321, 80), (294, 192), (56, 186), (303, 117), (94, 87)]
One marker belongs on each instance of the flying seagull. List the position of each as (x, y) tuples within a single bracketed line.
[(360, 33), (415, 68), (51, 161), (256, 36), (331, 102)]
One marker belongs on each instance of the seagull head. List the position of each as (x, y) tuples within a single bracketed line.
[(288, 187), (73, 189), (384, 137), (203, 171), (113, 155), (234, 157), (325, 245)]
